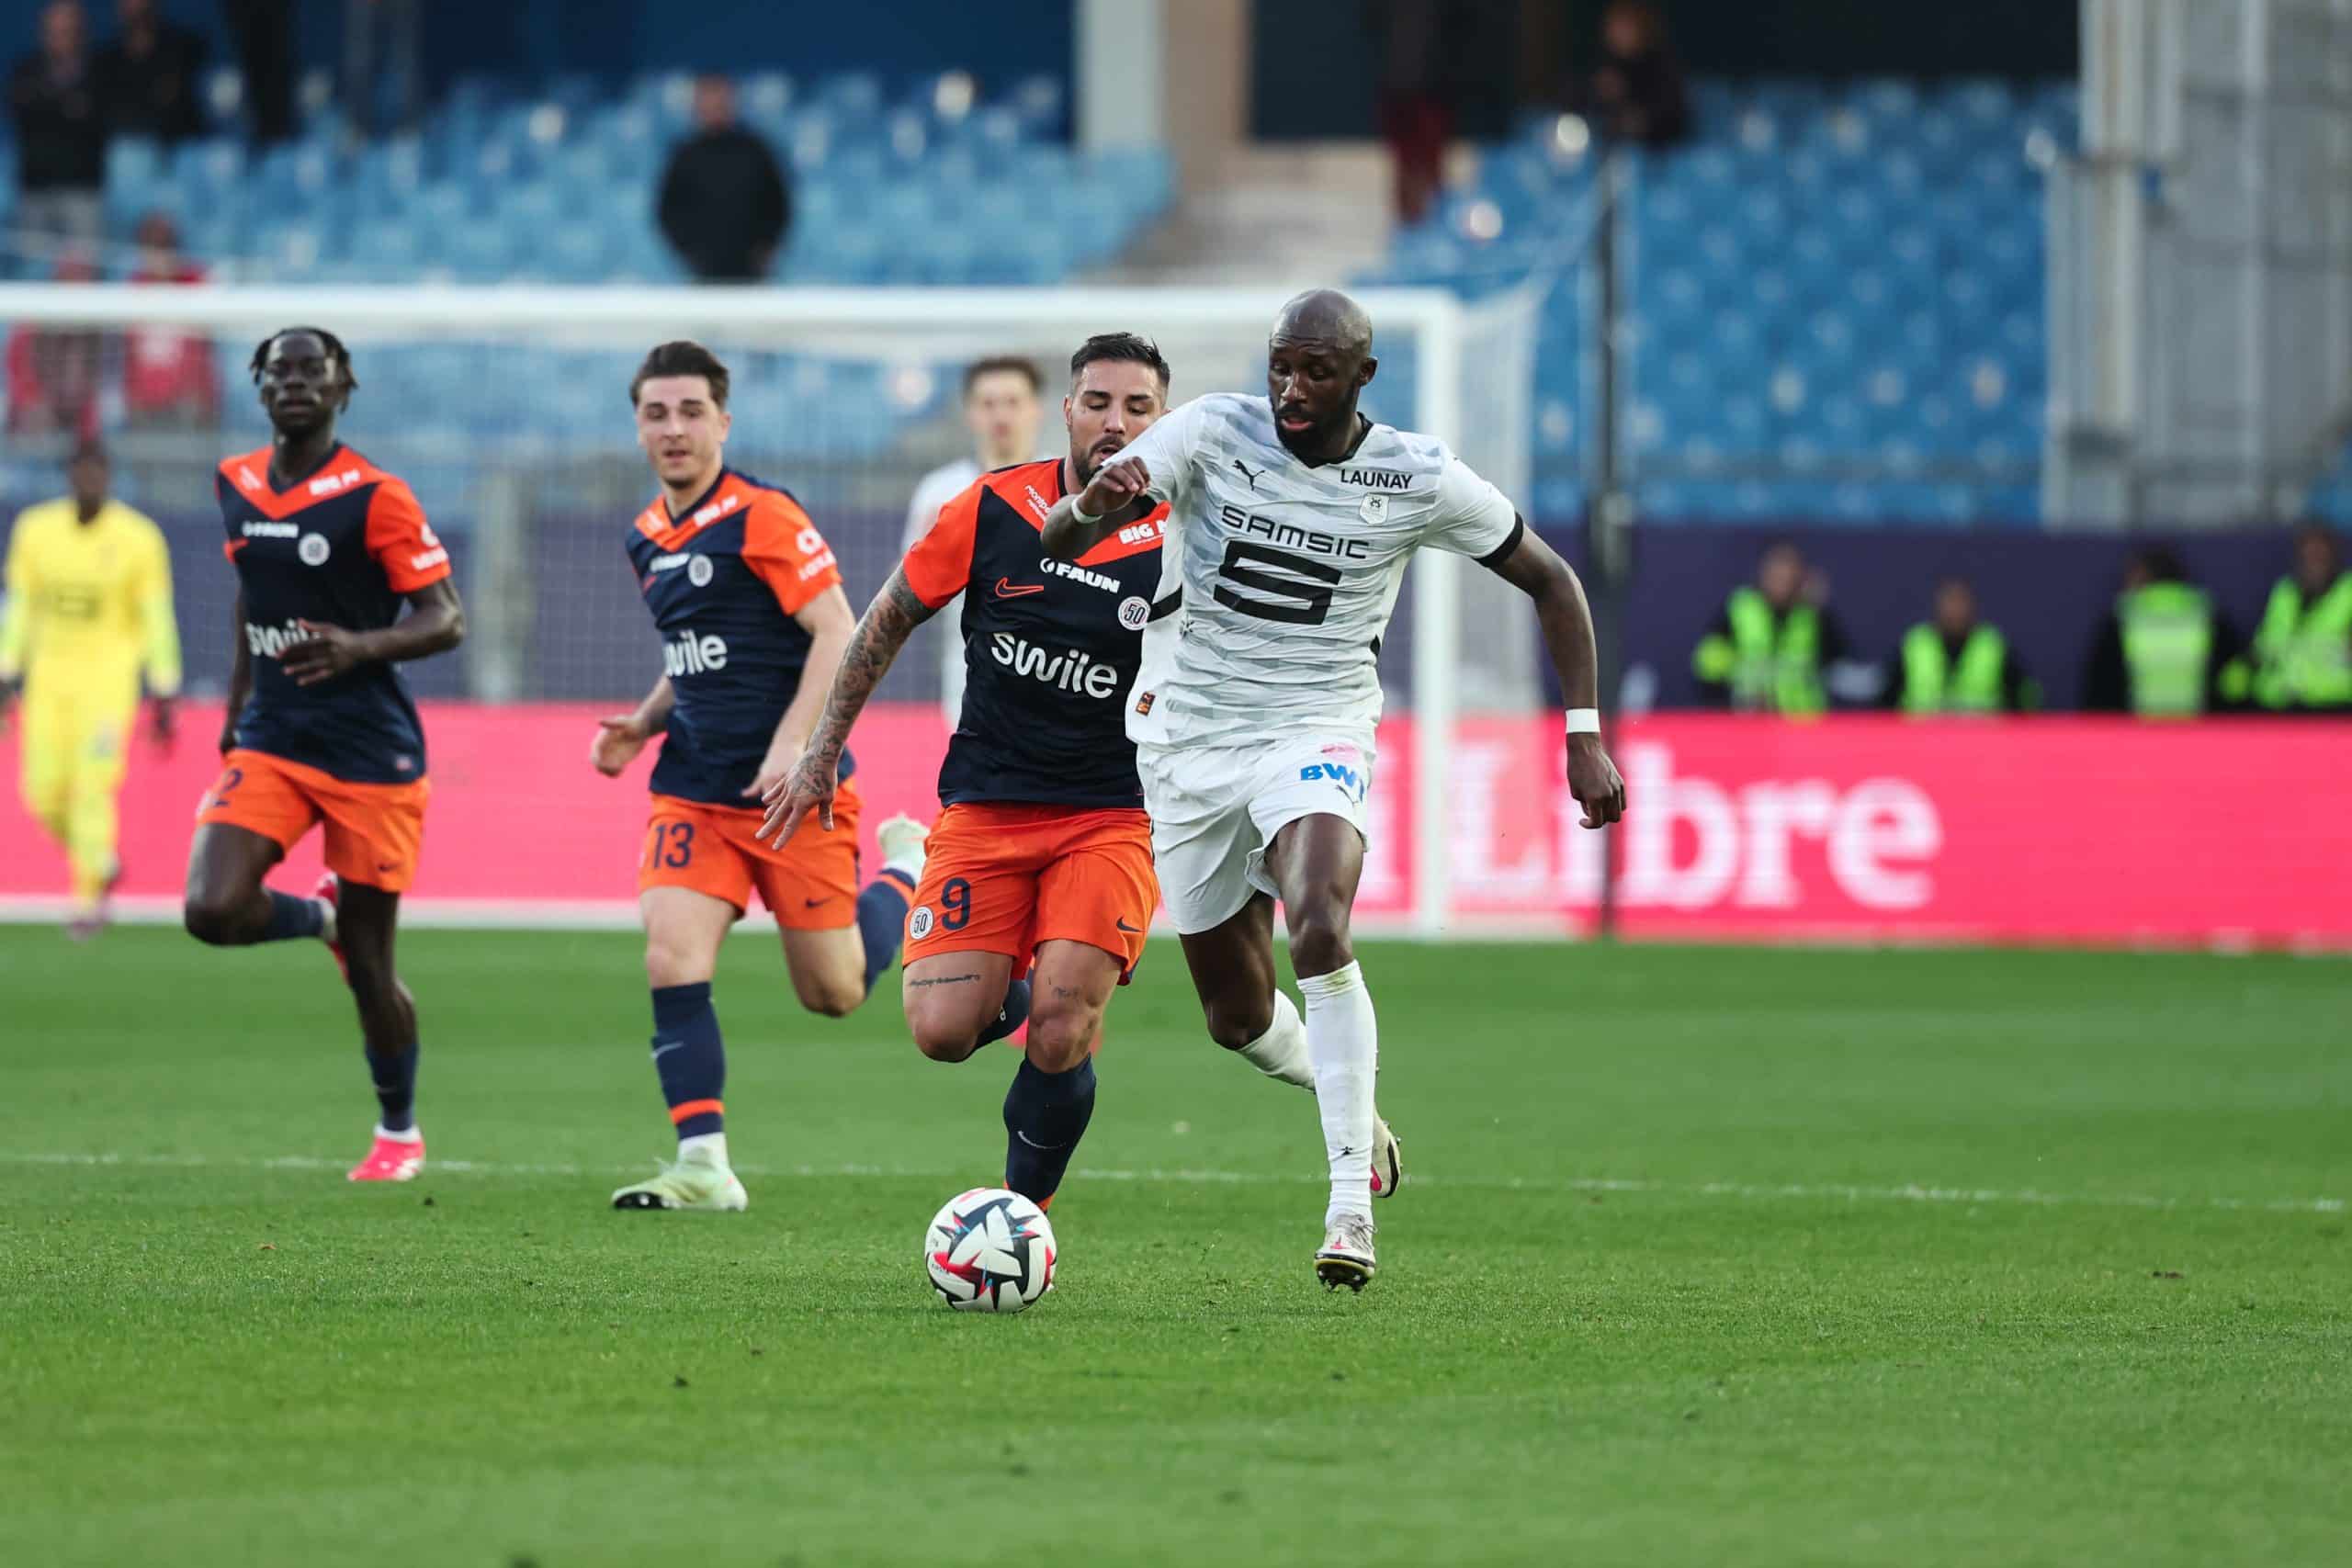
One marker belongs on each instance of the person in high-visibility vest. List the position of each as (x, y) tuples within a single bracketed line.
[(1774, 647), (2159, 652), (1956, 662), (2301, 657)]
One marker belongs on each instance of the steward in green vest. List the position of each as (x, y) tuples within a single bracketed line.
[(2159, 654), (1768, 646), (1956, 663), (2301, 657)]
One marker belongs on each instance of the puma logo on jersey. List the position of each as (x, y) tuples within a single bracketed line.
[(689, 655), (1247, 473), (1073, 671)]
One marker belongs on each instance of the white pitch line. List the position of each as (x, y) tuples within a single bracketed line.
[(1996, 1197)]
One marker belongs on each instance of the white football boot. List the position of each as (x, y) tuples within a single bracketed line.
[(1345, 1258), (902, 840), (1387, 1161), (695, 1181)]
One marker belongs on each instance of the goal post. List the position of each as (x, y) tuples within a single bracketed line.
[(506, 406)]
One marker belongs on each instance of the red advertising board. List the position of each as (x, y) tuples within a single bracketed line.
[(2050, 830)]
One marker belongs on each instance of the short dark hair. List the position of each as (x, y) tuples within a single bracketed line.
[(1123, 348), (683, 357), (1013, 364), (332, 344)]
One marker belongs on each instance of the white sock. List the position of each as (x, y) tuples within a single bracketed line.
[(1281, 1052), (415, 1134), (705, 1148), (1344, 1041), (326, 922)]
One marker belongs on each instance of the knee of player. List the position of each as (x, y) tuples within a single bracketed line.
[(1060, 1037), (1234, 1026), (671, 964), (829, 998), (1319, 939), (211, 919), (943, 1040)]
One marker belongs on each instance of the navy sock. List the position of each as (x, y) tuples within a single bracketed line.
[(690, 1057), (1015, 1014), (290, 917), (394, 1073), (1045, 1116), (882, 921)]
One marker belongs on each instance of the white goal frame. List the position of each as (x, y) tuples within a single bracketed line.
[(865, 322)]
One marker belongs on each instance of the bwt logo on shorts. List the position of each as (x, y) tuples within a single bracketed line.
[(1347, 778), (271, 642), (1070, 671), (692, 655)]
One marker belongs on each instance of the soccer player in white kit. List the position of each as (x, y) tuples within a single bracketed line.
[(1291, 521)]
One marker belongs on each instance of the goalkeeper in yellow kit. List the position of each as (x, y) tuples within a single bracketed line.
[(89, 609)]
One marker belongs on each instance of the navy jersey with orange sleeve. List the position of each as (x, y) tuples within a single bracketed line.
[(723, 580), (343, 547), (1050, 648)]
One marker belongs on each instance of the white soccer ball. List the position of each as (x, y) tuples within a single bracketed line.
[(990, 1250)]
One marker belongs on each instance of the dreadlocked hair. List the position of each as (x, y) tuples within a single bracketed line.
[(332, 343)]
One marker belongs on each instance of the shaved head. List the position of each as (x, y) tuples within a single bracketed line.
[(1325, 316), (1317, 362)]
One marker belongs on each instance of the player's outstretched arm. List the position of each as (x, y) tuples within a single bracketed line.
[(880, 633), (435, 623), (241, 676), (621, 735), (1537, 569), (1079, 522)]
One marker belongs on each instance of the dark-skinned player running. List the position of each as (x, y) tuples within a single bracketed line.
[(1039, 888), (1290, 520), (328, 550)]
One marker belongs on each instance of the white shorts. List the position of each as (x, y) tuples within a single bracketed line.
[(1215, 809)]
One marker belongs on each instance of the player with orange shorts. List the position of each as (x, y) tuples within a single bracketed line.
[(748, 601), (321, 730), (1039, 885)]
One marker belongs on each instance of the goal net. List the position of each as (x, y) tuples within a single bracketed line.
[(506, 409)]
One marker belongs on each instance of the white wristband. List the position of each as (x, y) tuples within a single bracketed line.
[(1584, 721), (1078, 514)]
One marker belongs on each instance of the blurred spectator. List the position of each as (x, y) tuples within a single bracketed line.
[(53, 371), (147, 77), (1636, 93), (168, 376), (1956, 663), (724, 204), (2158, 653), (1415, 41), (61, 136), (1775, 648), (2301, 657), (264, 33)]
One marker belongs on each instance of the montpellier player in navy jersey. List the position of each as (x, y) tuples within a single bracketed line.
[(748, 604), (1040, 884), (328, 548)]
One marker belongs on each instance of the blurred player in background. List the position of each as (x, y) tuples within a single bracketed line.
[(1040, 885), (1002, 409), (1290, 520), (320, 727), (89, 610), (748, 604)]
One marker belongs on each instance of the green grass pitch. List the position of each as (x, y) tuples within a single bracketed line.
[(1707, 1257)]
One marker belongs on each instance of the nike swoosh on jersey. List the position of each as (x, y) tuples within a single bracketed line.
[(1123, 925), (1008, 589)]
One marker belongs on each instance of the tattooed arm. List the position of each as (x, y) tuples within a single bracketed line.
[(881, 632)]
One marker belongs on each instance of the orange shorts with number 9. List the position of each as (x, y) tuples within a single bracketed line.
[(809, 883), (1005, 878)]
